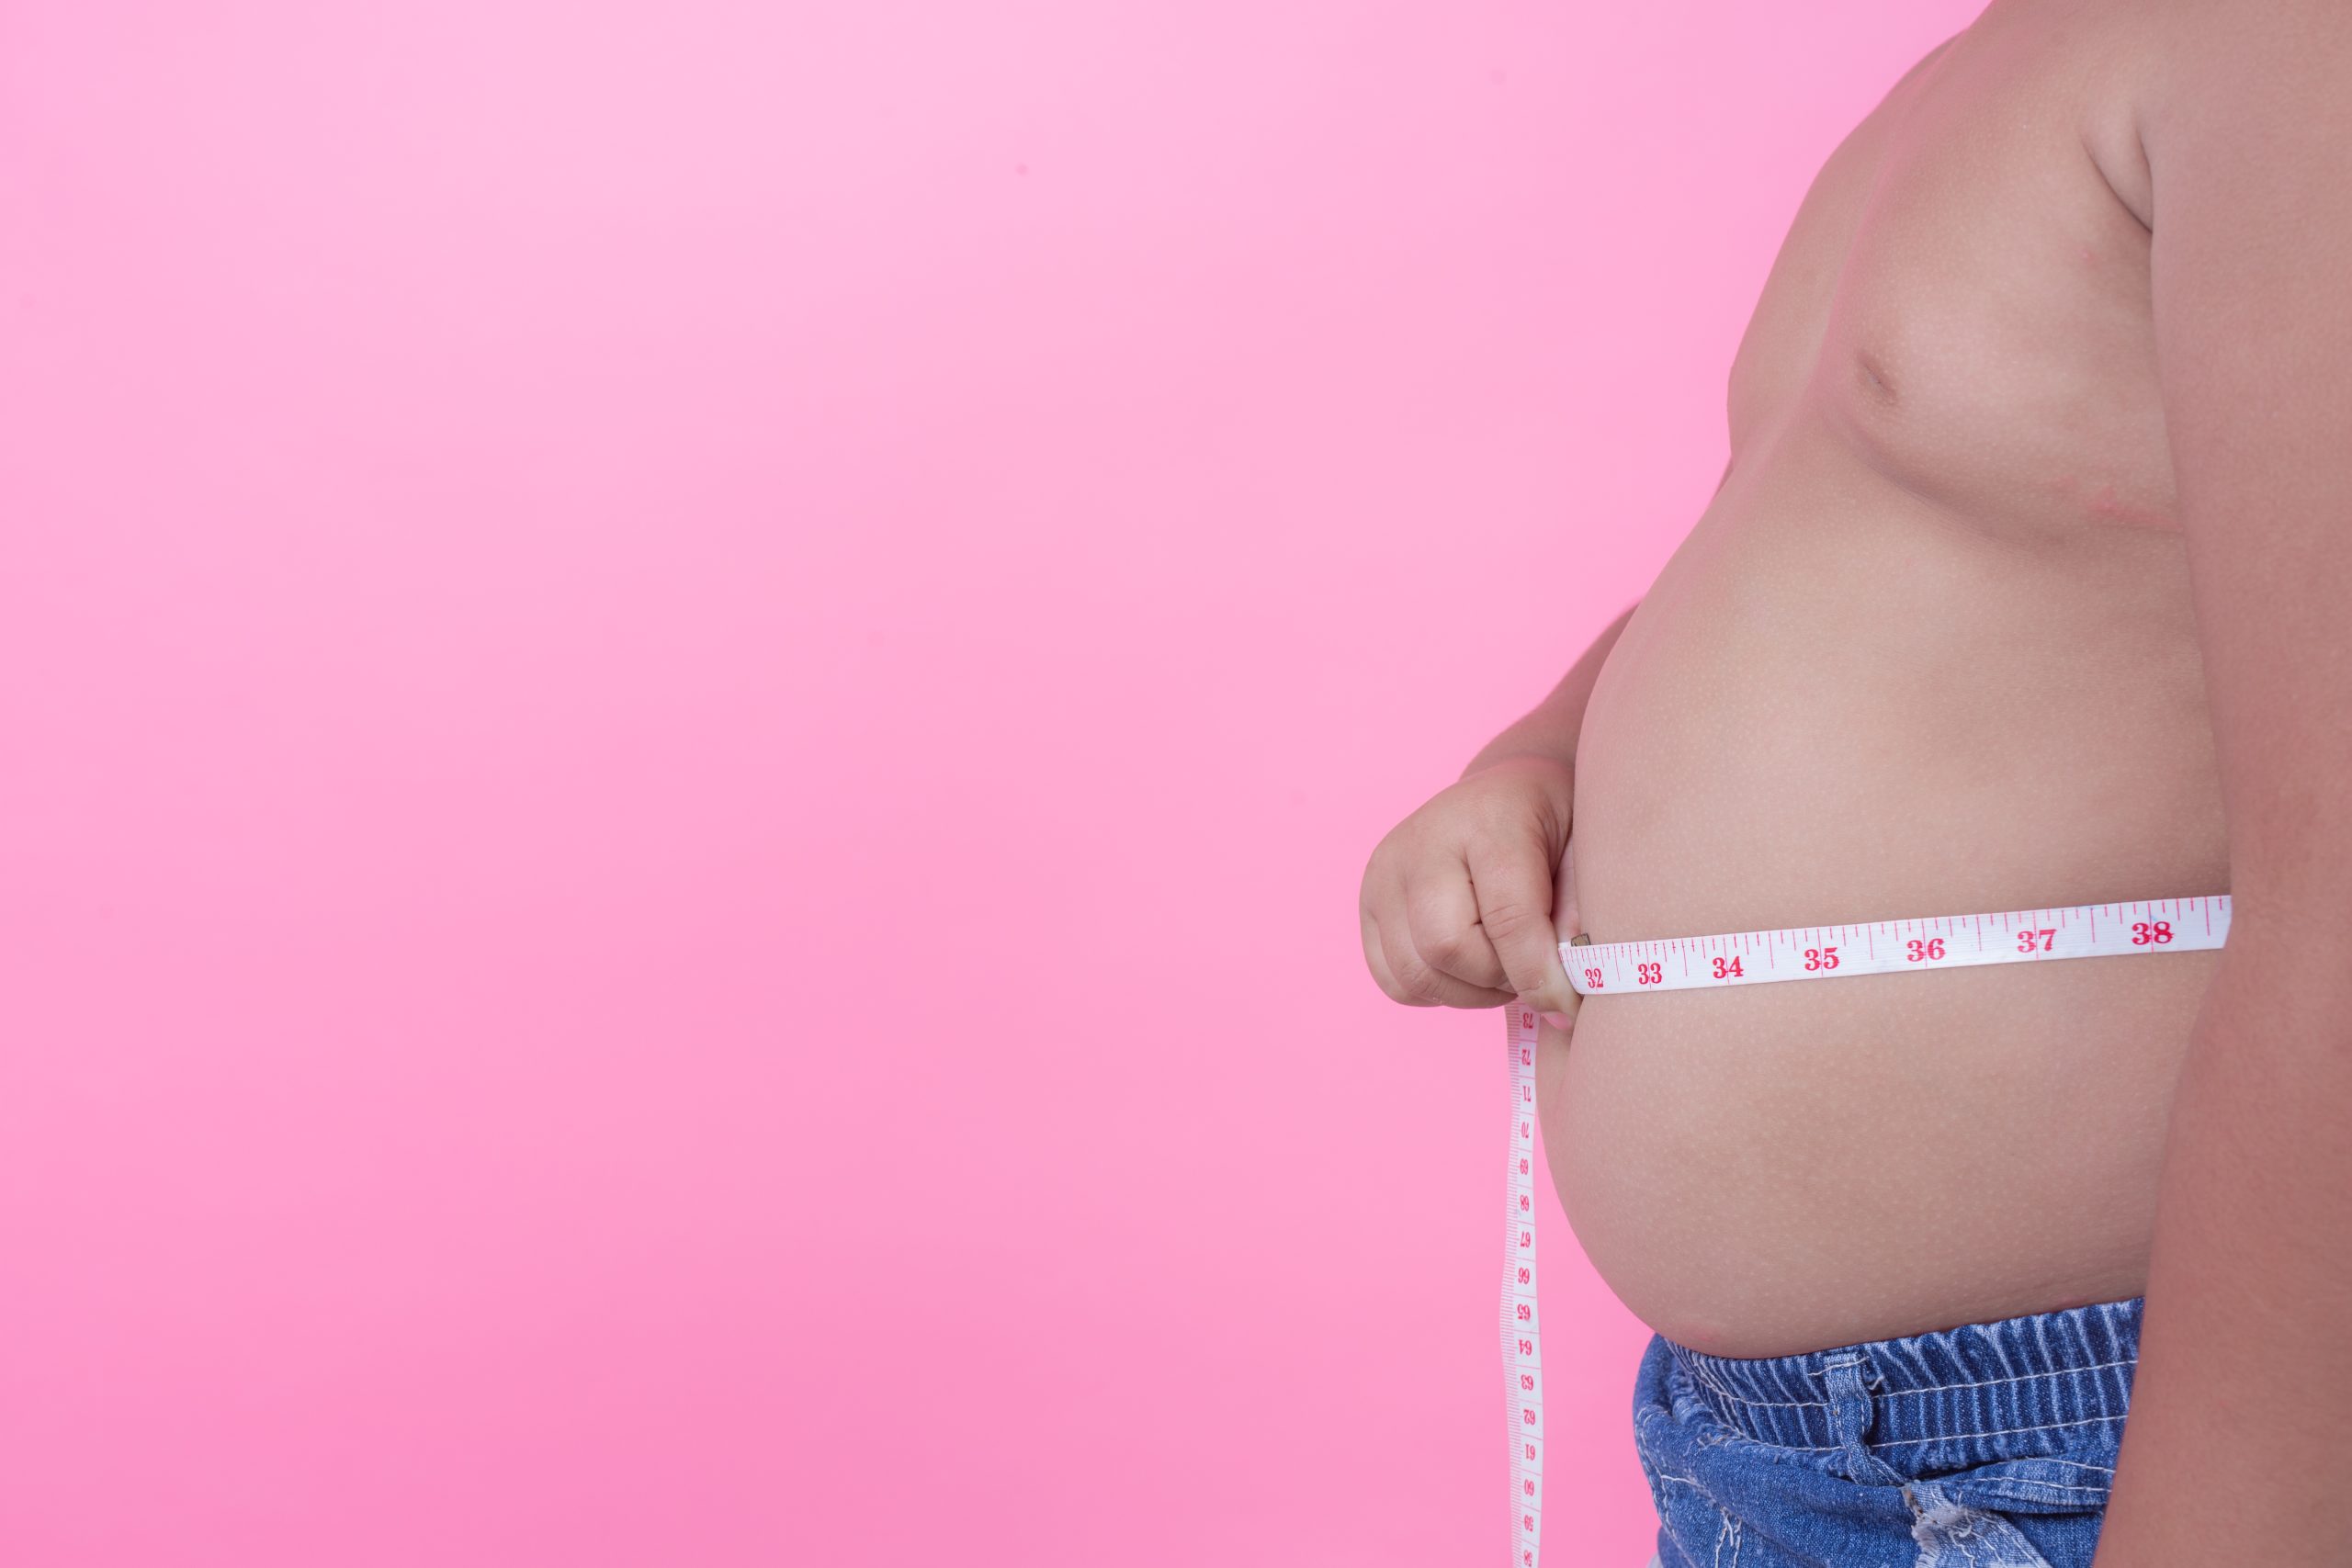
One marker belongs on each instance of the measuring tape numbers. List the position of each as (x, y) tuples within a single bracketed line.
[(1522, 1334), (1748, 958)]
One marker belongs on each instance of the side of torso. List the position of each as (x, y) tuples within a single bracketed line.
[(1930, 649)]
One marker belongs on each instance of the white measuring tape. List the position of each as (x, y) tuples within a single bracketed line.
[(1747, 958), (1523, 1336)]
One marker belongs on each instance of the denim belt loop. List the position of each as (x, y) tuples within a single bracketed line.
[(1849, 1374)]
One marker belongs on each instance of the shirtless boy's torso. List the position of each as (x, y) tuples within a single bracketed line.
[(1928, 651)]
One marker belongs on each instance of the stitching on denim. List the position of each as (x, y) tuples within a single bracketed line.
[(2005, 1481), (1956, 1436), (2022, 1377), (1700, 1371)]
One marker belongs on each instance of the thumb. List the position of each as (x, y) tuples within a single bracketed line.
[(1564, 916), (1567, 922)]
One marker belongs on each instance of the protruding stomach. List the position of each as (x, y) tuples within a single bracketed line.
[(1839, 706)]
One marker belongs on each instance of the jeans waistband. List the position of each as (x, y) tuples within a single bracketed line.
[(2046, 1372)]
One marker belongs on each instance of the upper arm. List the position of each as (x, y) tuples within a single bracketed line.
[(2249, 147)]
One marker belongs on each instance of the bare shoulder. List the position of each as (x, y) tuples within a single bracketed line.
[(1929, 58), (2197, 39), (2276, 76)]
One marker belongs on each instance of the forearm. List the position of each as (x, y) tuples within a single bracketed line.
[(1550, 730), (2239, 1445)]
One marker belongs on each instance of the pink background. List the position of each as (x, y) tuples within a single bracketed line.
[(690, 698)]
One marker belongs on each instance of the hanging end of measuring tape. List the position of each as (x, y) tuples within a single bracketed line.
[(1522, 1333)]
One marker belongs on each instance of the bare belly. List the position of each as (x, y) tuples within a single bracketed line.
[(1842, 703)]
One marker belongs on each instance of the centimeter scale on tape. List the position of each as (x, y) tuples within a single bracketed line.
[(1747, 958)]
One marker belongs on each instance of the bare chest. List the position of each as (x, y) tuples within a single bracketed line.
[(1963, 296)]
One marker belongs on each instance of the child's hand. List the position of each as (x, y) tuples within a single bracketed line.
[(1465, 902)]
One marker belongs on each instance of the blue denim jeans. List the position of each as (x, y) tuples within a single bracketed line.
[(1987, 1446)]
